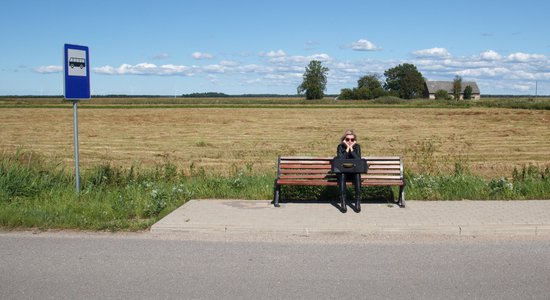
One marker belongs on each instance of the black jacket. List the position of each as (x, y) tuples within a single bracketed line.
[(341, 151)]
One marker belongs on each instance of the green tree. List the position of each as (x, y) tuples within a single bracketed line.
[(468, 92), (315, 81), (378, 92), (346, 94), (441, 95), (457, 87), (371, 82), (363, 93), (405, 81), (368, 87)]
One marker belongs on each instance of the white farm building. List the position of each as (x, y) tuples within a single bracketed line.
[(433, 86)]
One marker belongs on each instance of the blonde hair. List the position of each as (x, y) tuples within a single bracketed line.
[(348, 132)]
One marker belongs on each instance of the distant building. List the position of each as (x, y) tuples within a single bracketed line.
[(433, 86)]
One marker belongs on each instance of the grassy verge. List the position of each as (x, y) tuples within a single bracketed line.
[(38, 194), (35, 193)]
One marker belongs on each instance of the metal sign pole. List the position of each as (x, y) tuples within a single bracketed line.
[(75, 126)]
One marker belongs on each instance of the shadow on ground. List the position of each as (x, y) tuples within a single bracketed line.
[(329, 195)]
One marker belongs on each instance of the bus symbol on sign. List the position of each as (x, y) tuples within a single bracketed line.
[(77, 62)]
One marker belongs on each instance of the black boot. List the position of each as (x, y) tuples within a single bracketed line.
[(342, 188), (343, 205), (357, 192)]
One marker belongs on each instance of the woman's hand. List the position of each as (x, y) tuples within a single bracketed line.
[(349, 145)]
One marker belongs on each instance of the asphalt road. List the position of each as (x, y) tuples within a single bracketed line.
[(146, 266)]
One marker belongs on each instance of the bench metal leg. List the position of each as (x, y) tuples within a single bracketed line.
[(401, 201), (277, 192)]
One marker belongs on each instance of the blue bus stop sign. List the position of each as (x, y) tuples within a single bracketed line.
[(76, 67)]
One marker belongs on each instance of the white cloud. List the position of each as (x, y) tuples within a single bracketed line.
[(276, 76), (278, 53), (525, 57), (229, 63), (319, 57), (432, 52), (364, 45), (201, 55), (522, 74), (251, 68), (173, 69), (251, 81), (490, 55), (299, 59), (486, 72), (48, 69), (215, 68), (523, 87), (108, 70), (144, 69)]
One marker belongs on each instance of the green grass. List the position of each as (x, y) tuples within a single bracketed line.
[(35, 193), (540, 103), (516, 103)]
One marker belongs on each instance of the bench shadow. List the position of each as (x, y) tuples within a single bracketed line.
[(329, 195)]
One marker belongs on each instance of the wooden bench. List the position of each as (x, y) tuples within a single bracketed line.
[(315, 171)]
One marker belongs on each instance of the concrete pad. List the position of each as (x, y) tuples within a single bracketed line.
[(460, 218)]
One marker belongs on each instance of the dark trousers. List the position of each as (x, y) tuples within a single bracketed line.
[(355, 178)]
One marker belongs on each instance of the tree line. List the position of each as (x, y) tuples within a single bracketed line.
[(403, 81)]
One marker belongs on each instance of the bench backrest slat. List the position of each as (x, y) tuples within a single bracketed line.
[(294, 166), (307, 171)]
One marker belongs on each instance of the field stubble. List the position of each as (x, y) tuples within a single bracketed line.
[(488, 141)]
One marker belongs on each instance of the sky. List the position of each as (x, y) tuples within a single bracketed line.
[(262, 47)]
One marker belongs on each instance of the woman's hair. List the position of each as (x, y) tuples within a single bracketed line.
[(348, 132)]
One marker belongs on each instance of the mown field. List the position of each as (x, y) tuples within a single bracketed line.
[(489, 141)]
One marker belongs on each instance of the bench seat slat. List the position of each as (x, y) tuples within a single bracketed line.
[(373, 177), (334, 183), (306, 182), (382, 182), (377, 171), (383, 167), (383, 162), (305, 171), (333, 177)]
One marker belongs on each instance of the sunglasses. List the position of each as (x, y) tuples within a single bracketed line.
[(348, 139)]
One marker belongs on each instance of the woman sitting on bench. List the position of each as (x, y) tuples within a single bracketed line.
[(349, 148)]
